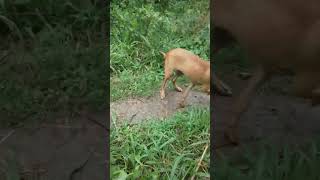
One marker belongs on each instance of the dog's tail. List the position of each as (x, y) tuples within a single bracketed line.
[(164, 54)]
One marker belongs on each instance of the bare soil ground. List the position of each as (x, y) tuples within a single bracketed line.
[(273, 114), (137, 110), (67, 149)]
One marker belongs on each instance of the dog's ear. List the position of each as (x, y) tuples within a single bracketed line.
[(164, 54), (222, 38)]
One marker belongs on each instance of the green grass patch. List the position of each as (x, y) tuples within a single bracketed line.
[(133, 84), (52, 59), (270, 162), (159, 149), (51, 78)]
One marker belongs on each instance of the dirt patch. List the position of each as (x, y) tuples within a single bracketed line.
[(273, 113), (74, 149), (137, 110)]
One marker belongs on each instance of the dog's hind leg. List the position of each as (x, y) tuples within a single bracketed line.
[(177, 88), (185, 95)]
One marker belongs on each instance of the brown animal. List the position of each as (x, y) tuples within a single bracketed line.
[(194, 68), (276, 35)]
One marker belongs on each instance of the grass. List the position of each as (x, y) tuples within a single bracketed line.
[(55, 61), (51, 79), (161, 149), (129, 84), (271, 162), (156, 149), (169, 149), (140, 30)]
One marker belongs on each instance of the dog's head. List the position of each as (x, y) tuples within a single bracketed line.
[(222, 38)]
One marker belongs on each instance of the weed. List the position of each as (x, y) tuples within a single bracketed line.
[(271, 162), (59, 67), (161, 149), (140, 30)]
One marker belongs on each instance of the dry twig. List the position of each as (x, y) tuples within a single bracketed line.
[(200, 161)]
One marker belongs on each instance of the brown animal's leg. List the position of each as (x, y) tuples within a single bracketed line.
[(241, 104), (206, 89), (177, 88), (220, 87), (185, 94), (167, 75)]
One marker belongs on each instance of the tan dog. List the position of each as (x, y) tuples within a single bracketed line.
[(276, 35), (197, 70)]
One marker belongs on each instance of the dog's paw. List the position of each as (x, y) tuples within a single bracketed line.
[(231, 136), (162, 95), (179, 89), (181, 105)]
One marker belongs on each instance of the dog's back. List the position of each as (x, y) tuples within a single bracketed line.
[(279, 32), (191, 65)]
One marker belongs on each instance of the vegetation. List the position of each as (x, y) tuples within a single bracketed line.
[(52, 55), (158, 149), (51, 58), (271, 162), (140, 29)]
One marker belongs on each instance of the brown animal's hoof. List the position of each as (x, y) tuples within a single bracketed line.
[(231, 136)]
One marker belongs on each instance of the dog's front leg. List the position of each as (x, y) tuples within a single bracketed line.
[(206, 89), (174, 81), (163, 87), (185, 94), (242, 103), (220, 86)]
